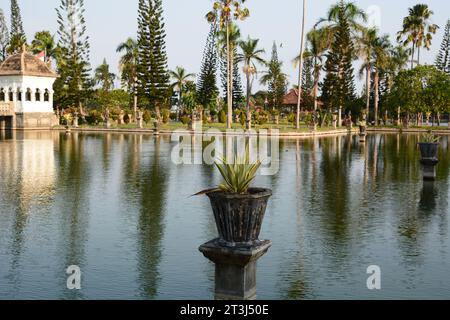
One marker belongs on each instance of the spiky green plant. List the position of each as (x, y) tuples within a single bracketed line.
[(429, 138), (237, 175)]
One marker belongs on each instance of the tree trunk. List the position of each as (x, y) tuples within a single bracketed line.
[(249, 89), (300, 79), (368, 91), (412, 55), (376, 97), (418, 55), (316, 90), (158, 113), (229, 89)]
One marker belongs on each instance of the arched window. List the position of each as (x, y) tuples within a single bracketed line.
[(11, 95), (46, 96), (2, 94), (19, 95), (28, 95), (38, 95)]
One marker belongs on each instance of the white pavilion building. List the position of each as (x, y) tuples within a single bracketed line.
[(26, 93)]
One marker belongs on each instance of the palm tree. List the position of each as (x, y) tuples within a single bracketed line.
[(380, 63), (128, 67), (365, 47), (276, 79), (224, 11), (180, 77), (104, 77), (45, 41), (250, 56), (352, 13), (230, 41), (300, 74), (417, 30), (318, 43), (399, 57)]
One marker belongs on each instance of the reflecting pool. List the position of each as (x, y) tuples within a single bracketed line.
[(117, 206)]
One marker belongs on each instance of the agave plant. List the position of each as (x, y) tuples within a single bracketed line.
[(429, 138), (237, 174)]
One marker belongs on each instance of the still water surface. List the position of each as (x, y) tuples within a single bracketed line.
[(116, 205)]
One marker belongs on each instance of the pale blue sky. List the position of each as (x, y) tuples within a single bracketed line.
[(112, 21)]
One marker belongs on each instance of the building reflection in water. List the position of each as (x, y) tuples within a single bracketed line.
[(28, 176)]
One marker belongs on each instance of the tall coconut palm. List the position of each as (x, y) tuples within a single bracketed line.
[(224, 12), (251, 56), (180, 77), (417, 30), (44, 41), (104, 77), (319, 41), (380, 63), (354, 15), (365, 47), (232, 39), (300, 75), (128, 68), (399, 57)]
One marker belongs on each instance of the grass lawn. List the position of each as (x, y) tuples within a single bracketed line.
[(283, 127)]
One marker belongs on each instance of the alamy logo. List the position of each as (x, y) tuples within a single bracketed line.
[(201, 147), (74, 279), (374, 281)]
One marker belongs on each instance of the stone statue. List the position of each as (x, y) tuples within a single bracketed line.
[(140, 116), (335, 120), (106, 118), (121, 116), (75, 119)]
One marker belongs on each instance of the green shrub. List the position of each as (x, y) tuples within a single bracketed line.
[(242, 119), (222, 117), (147, 116), (275, 112), (291, 118), (165, 115), (94, 117), (185, 119), (308, 118)]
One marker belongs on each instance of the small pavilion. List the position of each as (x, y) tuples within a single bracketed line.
[(26, 93)]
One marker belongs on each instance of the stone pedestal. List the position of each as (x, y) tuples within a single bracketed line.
[(362, 133), (195, 125), (140, 118), (429, 169), (121, 116), (235, 274), (156, 127), (75, 120), (335, 121)]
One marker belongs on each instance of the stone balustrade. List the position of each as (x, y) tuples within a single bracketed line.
[(6, 109)]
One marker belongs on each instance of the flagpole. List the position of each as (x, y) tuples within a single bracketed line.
[(300, 77)]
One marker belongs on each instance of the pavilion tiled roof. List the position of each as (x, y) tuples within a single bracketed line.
[(25, 64)]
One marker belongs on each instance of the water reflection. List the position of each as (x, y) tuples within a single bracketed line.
[(117, 206)]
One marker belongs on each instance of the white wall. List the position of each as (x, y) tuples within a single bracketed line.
[(33, 83)]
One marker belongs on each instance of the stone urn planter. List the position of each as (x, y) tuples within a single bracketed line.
[(429, 150), (239, 217)]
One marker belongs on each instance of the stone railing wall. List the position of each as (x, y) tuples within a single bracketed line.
[(6, 109)]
